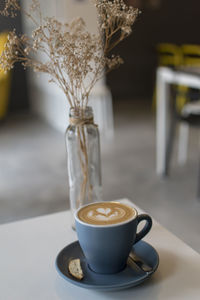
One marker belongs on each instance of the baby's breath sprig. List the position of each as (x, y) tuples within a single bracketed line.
[(10, 8), (74, 58)]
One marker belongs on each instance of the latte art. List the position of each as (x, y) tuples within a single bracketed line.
[(105, 213)]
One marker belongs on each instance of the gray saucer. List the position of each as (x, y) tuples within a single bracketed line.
[(129, 277)]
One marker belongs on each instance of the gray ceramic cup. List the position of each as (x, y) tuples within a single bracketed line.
[(106, 247)]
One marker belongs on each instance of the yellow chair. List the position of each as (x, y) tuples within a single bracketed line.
[(190, 58), (171, 55), (4, 81), (191, 55)]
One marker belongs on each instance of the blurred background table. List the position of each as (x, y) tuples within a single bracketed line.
[(29, 249)]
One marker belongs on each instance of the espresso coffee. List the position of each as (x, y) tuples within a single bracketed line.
[(106, 213)]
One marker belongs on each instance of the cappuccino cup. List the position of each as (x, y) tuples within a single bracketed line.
[(106, 233)]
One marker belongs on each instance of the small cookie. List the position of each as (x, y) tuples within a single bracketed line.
[(75, 268)]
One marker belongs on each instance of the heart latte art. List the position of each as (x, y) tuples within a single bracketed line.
[(106, 213)]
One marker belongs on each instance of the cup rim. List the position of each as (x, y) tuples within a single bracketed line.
[(103, 225)]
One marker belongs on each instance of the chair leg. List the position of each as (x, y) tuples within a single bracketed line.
[(183, 143), (170, 144), (198, 175), (171, 131), (198, 182)]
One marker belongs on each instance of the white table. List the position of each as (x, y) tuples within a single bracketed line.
[(27, 264), (164, 78)]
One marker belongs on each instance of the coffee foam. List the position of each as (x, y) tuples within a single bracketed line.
[(106, 213)]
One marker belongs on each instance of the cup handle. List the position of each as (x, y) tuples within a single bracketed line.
[(146, 227)]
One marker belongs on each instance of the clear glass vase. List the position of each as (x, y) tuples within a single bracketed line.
[(84, 163)]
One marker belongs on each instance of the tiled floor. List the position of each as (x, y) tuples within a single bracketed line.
[(33, 172)]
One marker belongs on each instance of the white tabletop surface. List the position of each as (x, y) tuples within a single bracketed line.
[(27, 264)]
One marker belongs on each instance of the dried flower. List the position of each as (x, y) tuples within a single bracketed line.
[(114, 62), (10, 8), (73, 57)]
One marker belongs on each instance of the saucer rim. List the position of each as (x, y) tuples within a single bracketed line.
[(112, 287)]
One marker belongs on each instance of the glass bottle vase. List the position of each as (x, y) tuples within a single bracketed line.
[(84, 164)]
